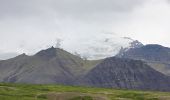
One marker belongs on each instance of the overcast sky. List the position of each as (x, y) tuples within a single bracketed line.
[(30, 25)]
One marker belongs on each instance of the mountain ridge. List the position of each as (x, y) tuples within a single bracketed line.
[(157, 56), (57, 66)]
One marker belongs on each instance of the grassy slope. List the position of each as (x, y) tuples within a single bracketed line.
[(50, 92)]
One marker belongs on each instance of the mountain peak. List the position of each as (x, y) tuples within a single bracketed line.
[(22, 55), (136, 44), (48, 53), (53, 52)]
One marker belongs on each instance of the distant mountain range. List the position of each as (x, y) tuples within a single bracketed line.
[(57, 66)]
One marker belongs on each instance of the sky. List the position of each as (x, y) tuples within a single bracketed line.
[(27, 26)]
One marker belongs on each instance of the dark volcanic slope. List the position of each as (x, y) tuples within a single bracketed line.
[(126, 73), (47, 66), (156, 56)]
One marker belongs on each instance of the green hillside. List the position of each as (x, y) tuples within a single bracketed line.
[(58, 92)]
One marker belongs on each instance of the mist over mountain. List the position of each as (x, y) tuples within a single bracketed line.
[(4, 56)]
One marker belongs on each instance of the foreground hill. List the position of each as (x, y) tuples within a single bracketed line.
[(52, 65), (157, 56), (58, 92), (126, 73)]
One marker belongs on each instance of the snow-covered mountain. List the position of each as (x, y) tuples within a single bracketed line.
[(93, 47), (106, 45)]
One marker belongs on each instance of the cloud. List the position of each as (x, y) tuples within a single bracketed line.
[(28, 8), (31, 25)]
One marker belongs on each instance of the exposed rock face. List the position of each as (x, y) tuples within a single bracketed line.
[(156, 56), (126, 73), (135, 44)]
